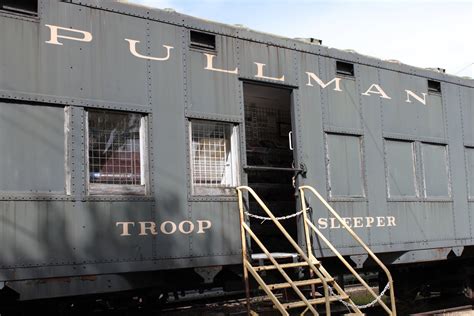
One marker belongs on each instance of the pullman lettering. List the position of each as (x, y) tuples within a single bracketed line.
[(59, 34)]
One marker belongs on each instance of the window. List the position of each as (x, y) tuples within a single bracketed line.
[(401, 168), (33, 149), (344, 69), (434, 86), (435, 170), (117, 153), (203, 40), (213, 157), (345, 165), (470, 170), (20, 6)]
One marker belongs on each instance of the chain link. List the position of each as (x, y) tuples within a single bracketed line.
[(362, 306), (281, 218)]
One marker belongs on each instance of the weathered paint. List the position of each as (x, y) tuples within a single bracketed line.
[(134, 59)]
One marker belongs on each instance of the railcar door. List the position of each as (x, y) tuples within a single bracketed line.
[(270, 161)]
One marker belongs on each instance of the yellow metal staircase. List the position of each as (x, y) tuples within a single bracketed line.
[(318, 287)]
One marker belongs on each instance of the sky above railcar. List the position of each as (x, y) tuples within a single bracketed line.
[(422, 33)]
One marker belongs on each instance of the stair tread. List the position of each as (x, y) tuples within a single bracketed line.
[(276, 255), (284, 285), (284, 266), (314, 301)]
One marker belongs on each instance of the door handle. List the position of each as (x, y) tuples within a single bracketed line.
[(290, 139)]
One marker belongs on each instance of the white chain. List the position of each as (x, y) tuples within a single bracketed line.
[(362, 306), (281, 218)]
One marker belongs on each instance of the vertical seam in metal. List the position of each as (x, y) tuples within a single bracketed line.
[(466, 169), (187, 145), (448, 154)]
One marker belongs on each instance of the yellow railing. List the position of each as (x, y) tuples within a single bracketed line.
[(310, 260), (309, 223)]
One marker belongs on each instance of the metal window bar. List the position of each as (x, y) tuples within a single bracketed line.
[(211, 154), (114, 148)]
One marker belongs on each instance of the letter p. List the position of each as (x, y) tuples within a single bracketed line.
[(86, 36)]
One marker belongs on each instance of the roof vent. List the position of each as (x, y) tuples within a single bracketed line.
[(310, 40)]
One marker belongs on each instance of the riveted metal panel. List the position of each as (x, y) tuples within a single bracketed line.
[(453, 103), (278, 63), (421, 221), (311, 104), (35, 234), (97, 236), (354, 214), (223, 237), (407, 118), (90, 70), (341, 108), (19, 51), (373, 151), (168, 95), (214, 91), (32, 138), (467, 102)]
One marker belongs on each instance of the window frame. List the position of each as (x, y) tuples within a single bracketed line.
[(100, 189), (331, 195), (216, 192), (419, 171), (448, 173), (416, 182)]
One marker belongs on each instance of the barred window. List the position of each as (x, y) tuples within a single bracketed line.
[(214, 157), (116, 152)]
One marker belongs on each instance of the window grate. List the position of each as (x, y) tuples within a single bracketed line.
[(211, 154), (114, 148)]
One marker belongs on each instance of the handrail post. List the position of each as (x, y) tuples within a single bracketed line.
[(244, 250)]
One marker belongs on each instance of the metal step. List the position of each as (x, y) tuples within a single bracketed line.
[(314, 301), (275, 255), (285, 285), (284, 266)]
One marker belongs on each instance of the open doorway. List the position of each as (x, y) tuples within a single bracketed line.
[(268, 126)]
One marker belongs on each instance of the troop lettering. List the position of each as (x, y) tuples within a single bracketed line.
[(146, 228), (59, 33)]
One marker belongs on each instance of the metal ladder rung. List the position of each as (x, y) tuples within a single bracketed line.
[(298, 283), (314, 301), (285, 266)]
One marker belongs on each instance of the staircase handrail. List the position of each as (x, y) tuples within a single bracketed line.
[(356, 238), (298, 249)]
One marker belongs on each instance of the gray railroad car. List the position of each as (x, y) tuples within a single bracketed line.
[(124, 131)]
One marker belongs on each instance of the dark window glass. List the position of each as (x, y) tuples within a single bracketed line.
[(20, 6), (344, 69), (434, 86), (203, 40)]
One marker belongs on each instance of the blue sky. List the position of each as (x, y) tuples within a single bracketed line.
[(436, 33)]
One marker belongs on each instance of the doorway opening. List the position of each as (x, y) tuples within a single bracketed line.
[(268, 132)]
